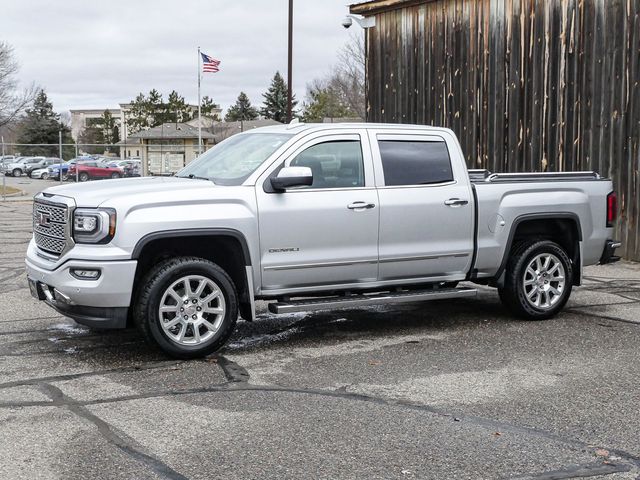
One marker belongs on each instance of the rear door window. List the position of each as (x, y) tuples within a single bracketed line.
[(412, 162)]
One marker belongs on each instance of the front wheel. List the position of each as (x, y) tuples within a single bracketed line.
[(83, 177), (115, 175), (188, 306), (16, 172), (538, 280), (44, 176)]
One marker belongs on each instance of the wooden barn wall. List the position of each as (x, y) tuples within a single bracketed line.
[(527, 85)]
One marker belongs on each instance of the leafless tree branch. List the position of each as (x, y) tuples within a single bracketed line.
[(12, 101)]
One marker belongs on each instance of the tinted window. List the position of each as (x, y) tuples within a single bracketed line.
[(334, 164), (415, 163)]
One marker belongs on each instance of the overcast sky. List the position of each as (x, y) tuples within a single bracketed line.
[(96, 54)]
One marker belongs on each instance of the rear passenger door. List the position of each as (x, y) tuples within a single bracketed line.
[(426, 207)]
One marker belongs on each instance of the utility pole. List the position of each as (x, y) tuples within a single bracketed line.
[(290, 62), (60, 144)]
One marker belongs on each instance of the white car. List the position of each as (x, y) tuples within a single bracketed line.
[(41, 173)]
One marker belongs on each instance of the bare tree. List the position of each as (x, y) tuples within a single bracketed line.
[(341, 92), (349, 74), (12, 101)]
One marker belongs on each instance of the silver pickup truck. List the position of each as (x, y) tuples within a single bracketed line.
[(312, 217)]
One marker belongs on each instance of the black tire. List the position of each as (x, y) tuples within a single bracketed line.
[(44, 176), (154, 285), (514, 295), (16, 172), (115, 175), (83, 177)]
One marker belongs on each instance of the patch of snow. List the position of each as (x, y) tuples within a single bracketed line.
[(67, 328)]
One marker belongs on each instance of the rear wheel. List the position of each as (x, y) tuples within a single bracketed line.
[(538, 280), (188, 307), (83, 177)]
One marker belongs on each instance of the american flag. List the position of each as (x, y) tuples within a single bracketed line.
[(209, 64)]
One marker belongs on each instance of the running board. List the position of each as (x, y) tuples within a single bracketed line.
[(353, 301)]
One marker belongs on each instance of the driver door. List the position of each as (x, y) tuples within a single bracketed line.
[(325, 234)]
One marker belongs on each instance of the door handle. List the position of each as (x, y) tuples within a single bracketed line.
[(455, 202), (360, 206)]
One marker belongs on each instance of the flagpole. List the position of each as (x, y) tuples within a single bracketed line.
[(199, 102)]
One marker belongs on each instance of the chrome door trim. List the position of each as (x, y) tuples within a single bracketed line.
[(423, 257), (319, 264)]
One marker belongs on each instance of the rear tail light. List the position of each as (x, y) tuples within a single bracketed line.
[(612, 208)]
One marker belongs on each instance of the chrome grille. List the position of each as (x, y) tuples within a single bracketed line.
[(57, 213), (48, 244), (50, 227)]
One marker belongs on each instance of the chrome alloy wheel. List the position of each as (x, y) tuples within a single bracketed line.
[(192, 310), (544, 281)]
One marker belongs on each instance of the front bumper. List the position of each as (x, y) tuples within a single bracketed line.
[(608, 254), (100, 303)]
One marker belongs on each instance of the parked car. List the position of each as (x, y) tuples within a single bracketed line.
[(313, 217), (40, 173), (42, 163), (54, 170), (17, 168), (93, 170), (130, 168), (8, 159)]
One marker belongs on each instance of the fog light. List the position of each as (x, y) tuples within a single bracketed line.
[(85, 274)]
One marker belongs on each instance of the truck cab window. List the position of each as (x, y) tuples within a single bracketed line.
[(336, 164), (415, 162)]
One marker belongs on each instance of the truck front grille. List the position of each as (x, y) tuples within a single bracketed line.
[(50, 227)]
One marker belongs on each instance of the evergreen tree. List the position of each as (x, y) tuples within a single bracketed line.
[(275, 100), (42, 125), (176, 110), (101, 131), (151, 111), (207, 106), (242, 110), (324, 101), (109, 129)]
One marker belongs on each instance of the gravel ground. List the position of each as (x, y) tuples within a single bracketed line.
[(439, 390)]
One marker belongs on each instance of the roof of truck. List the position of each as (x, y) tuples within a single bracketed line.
[(306, 127)]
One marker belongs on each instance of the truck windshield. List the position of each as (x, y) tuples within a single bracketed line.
[(233, 160)]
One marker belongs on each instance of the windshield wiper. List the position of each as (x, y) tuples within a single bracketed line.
[(192, 176)]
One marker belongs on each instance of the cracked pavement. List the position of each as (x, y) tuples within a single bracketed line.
[(427, 390)]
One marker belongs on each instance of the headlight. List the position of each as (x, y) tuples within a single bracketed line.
[(94, 225)]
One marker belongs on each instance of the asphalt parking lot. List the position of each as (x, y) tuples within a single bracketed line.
[(427, 390)]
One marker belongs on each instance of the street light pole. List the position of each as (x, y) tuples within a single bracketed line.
[(290, 62)]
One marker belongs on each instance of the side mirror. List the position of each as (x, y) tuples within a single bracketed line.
[(290, 177)]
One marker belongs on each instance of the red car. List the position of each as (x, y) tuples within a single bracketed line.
[(92, 170)]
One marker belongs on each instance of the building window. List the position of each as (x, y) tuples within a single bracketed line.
[(415, 162)]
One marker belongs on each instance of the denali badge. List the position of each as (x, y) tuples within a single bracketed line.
[(282, 250), (43, 219)]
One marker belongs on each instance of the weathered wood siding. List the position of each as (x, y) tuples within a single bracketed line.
[(528, 85)]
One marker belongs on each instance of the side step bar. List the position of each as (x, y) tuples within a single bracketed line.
[(353, 301)]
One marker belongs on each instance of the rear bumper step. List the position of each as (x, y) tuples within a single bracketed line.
[(608, 254), (354, 301)]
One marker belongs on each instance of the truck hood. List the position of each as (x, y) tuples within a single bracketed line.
[(94, 194)]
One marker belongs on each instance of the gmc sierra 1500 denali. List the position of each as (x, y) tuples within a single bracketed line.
[(313, 217)]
